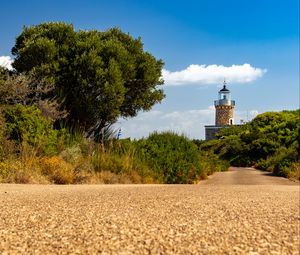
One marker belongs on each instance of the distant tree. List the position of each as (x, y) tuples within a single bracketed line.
[(98, 76)]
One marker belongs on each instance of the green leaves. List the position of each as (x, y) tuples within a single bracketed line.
[(174, 158), (98, 76), (270, 142), (26, 124)]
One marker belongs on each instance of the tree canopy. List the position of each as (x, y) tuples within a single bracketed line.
[(97, 76)]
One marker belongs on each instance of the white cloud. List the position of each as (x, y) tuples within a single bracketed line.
[(190, 122), (6, 61), (212, 74)]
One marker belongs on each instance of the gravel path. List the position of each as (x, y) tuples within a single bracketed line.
[(242, 211)]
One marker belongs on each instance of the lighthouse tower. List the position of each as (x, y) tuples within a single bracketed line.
[(224, 108), (224, 114)]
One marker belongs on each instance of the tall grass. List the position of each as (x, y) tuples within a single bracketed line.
[(32, 151)]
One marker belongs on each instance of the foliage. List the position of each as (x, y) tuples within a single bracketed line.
[(21, 170), (59, 103), (72, 154), (161, 158), (4, 74), (27, 90), (57, 170), (210, 161), (26, 124), (98, 76), (173, 157), (15, 90), (269, 142)]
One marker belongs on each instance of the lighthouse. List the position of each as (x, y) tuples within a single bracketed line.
[(224, 108), (224, 117)]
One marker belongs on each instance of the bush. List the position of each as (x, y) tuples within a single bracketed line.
[(212, 163), (269, 142), (295, 171), (283, 160), (21, 171), (280, 163), (26, 124), (173, 158), (57, 170), (72, 154)]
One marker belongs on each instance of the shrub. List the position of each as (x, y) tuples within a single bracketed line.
[(295, 171), (27, 124), (21, 171), (72, 154), (281, 162), (269, 142), (173, 158), (57, 170)]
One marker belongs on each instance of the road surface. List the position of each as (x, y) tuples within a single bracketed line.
[(242, 211)]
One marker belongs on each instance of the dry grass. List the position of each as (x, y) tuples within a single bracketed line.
[(295, 171), (71, 167), (22, 171), (57, 170)]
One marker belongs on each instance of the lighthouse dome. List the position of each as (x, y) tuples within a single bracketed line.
[(224, 89)]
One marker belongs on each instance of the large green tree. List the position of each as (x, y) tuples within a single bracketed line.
[(98, 76)]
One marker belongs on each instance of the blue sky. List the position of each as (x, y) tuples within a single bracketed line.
[(261, 33)]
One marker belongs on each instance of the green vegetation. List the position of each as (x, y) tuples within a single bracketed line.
[(175, 159), (69, 87), (41, 154), (27, 125), (269, 142), (96, 76), (58, 105)]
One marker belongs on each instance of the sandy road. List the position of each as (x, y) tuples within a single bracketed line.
[(242, 211)]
